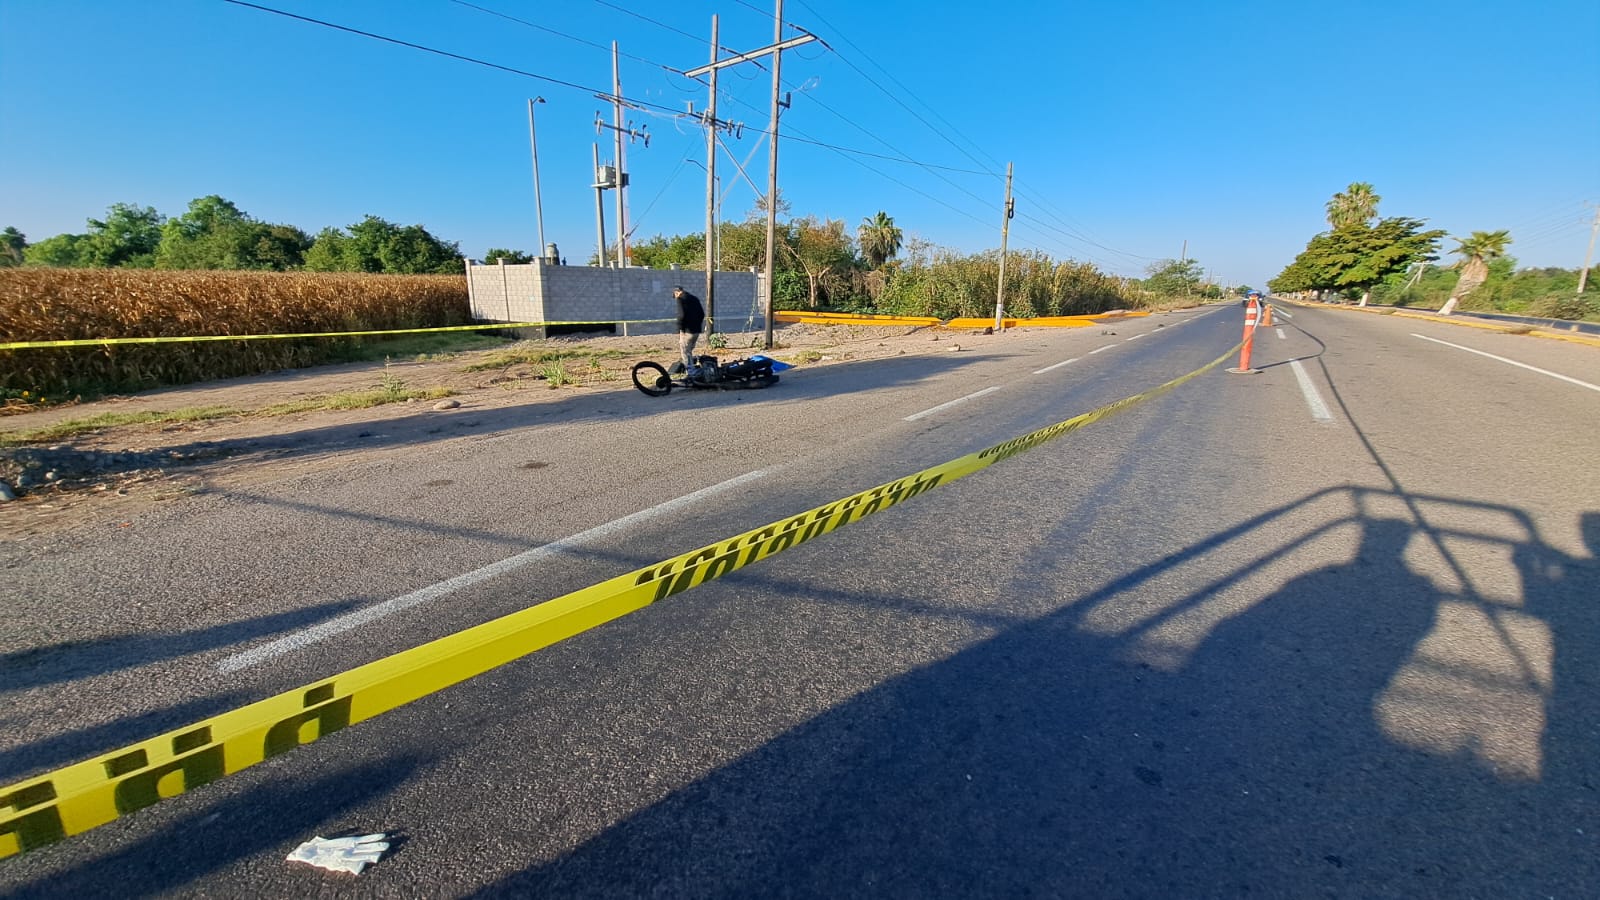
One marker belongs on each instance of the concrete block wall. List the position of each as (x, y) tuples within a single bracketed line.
[(636, 300)]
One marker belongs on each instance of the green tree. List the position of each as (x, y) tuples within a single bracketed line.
[(512, 257), (1359, 257), (1173, 277), (1476, 252), (13, 243), (1355, 205), (61, 251), (327, 252), (128, 236), (377, 245), (659, 252), (822, 248), (879, 238), (216, 234)]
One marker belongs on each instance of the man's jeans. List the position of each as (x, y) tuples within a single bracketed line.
[(686, 342)]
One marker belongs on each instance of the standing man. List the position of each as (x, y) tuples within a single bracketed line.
[(691, 320)]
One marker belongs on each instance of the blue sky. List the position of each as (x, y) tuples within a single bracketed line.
[(1134, 126)]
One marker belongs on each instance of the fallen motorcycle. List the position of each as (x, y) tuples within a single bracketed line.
[(754, 372)]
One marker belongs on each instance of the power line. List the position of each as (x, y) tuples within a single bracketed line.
[(545, 28), (444, 53), (841, 36), (1064, 220), (644, 105), (1081, 239), (660, 24)]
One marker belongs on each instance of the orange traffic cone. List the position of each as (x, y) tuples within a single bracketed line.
[(1266, 315), (1250, 316)]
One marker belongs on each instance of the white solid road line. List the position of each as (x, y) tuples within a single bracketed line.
[(1511, 362), (1319, 410), (1280, 311), (928, 412), (1103, 349), (1056, 366), (360, 617)]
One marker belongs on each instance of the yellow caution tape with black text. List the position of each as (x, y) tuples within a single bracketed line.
[(86, 795), (106, 342)]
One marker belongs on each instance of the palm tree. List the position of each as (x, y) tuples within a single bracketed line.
[(1475, 253), (1355, 205), (879, 239)]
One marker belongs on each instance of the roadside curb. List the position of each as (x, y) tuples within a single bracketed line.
[(1529, 330)]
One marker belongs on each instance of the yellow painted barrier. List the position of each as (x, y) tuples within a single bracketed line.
[(83, 796), (827, 318)]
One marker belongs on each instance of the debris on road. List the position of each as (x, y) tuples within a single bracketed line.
[(346, 854)]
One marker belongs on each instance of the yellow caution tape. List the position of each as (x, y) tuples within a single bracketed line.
[(86, 795), (104, 342)]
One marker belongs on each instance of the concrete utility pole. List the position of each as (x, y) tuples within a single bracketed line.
[(772, 174), (599, 207), (538, 201), (1005, 229), (711, 190), (1583, 275), (1183, 255), (774, 50), (622, 167)]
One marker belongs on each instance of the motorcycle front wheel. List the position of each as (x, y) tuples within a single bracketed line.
[(652, 379)]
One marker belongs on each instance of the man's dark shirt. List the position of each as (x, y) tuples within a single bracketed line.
[(691, 318)]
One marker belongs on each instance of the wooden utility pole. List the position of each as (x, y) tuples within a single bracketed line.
[(775, 50), (711, 189), (1583, 275), (1005, 229)]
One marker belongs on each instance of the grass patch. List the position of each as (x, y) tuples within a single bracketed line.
[(421, 347), (536, 356), (351, 400), (555, 374), (72, 427)]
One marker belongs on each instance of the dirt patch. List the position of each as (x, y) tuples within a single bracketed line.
[(107, 473)]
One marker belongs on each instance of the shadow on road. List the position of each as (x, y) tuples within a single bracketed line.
[(1302, 745), (76, 660), (430, 426), (275, 816), (1359, 730)]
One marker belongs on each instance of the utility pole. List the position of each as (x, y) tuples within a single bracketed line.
[(1183, 256), (1583, 275), (772, 173), (538, 201), (622, 167), (711, 189), (617, 177), (1005, 229), (774, 50), (600, 206)]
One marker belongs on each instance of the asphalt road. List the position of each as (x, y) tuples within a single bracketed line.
[(1331, 629)]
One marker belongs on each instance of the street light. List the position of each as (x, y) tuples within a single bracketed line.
[(538, 201)]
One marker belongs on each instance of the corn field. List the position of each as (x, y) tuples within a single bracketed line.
[(951, 286), (42, 304)]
